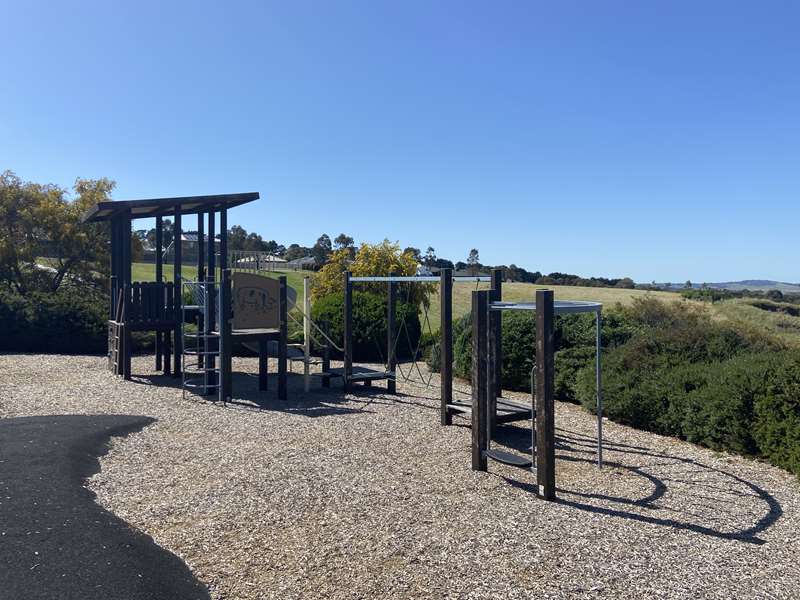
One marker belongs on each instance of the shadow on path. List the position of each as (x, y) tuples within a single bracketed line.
[(55, 540)]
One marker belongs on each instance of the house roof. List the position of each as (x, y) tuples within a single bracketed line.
[(155, 207)]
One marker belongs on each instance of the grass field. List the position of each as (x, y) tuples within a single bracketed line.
[(746, 311), (462, 296)]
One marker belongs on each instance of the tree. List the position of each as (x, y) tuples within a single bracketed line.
[(429, 260), (371, 259), (343, 241), (253, 243), (322, 249), (40, 219), (414, 252), (296, 251), (166, 229), (237, 238), (473, 261), (688, 284)]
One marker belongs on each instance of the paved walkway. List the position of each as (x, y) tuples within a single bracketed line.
[(55, 541)]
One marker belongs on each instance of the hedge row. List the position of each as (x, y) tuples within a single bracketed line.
[(67, 322)]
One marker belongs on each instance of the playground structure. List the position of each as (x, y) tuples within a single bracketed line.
[(485, 347), (201, 357), (503, 410)]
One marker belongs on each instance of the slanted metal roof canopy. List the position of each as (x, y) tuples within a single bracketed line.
[(156, 207)]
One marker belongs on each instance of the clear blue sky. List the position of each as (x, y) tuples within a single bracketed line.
[(659, 140)]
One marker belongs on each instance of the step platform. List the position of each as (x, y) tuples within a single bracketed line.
[(358, 374), (507, 410)]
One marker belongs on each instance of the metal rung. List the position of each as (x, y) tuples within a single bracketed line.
[(191, 352), (196, 386)]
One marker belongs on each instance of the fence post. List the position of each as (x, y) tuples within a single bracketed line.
[(545, 417)]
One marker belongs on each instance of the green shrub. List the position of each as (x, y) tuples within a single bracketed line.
[(519, 341), (568, 363), (777, 416), (369, 324), (69, 321)]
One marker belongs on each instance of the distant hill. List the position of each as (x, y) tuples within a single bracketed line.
[(746, 284)]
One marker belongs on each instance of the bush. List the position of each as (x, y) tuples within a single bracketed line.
[(519, 345), (67, 322), (568, 363), (369, 324)]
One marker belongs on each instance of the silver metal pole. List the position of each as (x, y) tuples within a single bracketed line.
[(599, 392), (306, 334)]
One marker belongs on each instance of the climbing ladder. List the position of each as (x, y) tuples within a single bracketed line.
[(201, 346)]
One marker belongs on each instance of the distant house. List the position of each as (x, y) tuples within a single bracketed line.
[(189, 247), (306, 263)]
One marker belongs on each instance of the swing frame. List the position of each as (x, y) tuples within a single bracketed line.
[(502, 411)]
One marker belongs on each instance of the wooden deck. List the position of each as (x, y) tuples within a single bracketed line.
[(359, 374)]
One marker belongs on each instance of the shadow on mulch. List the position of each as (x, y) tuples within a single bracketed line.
[(575, 447), (57, 542)]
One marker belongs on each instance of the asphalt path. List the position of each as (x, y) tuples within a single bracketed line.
[(56, 542)]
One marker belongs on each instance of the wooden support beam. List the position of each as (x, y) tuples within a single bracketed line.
[(211, 295), (125, 241), (348, 330), (159, 280), (545, 408), (480, 439), (201, 277), (225, 358), (492, 350), (497, 296), (391, 310), (223, 238), (283, 312), (446, 344), (263, 366), (177, 347)]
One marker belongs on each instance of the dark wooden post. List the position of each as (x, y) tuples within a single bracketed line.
[(263, 363), (211, 297), (201, 277), (226, 386), (480, 300), (492, 320), (348, 331), (391, 311), (160, 282), (283, 312), (545, 409), (126, 290), (223, 237), (446, 343), (497, 296), (115, 272), (177, 347)]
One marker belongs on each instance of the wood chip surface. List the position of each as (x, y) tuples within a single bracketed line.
[(368, 496)]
